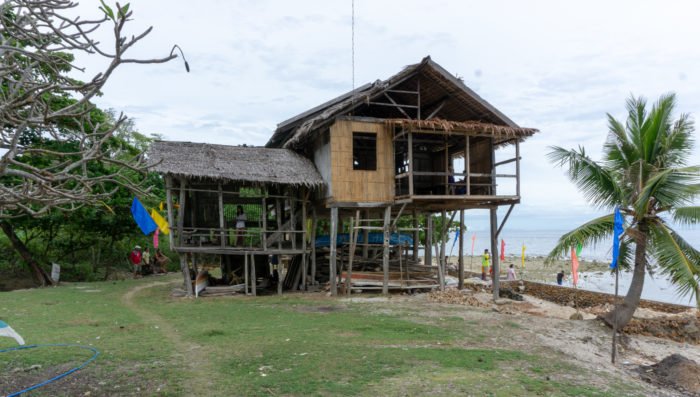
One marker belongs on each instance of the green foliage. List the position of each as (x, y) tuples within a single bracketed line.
[(644, 172)]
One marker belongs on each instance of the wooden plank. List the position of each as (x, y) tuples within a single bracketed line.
[(334, 237), (385, 256)]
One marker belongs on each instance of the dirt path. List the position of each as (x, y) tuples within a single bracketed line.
[(196, 360)]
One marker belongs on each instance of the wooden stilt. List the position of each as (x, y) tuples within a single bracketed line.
[(385, 256), (314, 225), (253, 278), (494, 252), (180, 226), (247, 279), (304, 255), (169, 199), (222, 227), (428, 251), (334, 243), (416, 236), (460, 261), (354, 231), (441, 258)]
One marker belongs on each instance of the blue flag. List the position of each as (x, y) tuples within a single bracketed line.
[(617, 231), (142, 217)]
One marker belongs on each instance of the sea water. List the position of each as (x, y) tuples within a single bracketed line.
[(539, 243)]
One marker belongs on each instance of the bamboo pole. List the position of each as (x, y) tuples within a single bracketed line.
[(494, 252), (304, 255), (180, 226), (353, 245), (460, 261), (314, 225), (385, 256), (253, 278), (247, 279)]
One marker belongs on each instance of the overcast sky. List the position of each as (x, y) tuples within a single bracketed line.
[(558, 66)]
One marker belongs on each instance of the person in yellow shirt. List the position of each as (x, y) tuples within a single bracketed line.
[(485, 263)]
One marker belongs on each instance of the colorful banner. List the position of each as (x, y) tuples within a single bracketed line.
[(155, 239), (503, 250), (574, 266), (617, 232), (473, 241), (142, 218), (522, 257), (163, 225)]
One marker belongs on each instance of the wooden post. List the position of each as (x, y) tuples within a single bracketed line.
[(385, 256), (410, 162), (278, 210), (253, 278), (467, 167), (334, 238), (169, 199), (494, 252), (354, 231), (222, 225), (365, 237), (279, 275), (194, 264), (180, 226), (314, 224), (293, 220), (304, 255), (447, 167), (517, 167), (460, 261), (428, 249), (247, 279), (416, 236), (442, 262), (264, 224), (493, 167)]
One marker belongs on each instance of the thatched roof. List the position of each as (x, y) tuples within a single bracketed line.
[(477, 128), (248, 164), (441, 93)]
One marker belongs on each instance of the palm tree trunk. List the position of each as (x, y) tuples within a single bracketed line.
[(40, 276), (624, 312)]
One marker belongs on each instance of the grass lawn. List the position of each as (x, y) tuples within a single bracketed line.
[(295, 345)]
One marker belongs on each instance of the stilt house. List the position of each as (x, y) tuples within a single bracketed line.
[(338, 190)]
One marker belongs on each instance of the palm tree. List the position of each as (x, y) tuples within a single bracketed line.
[(644, 173)]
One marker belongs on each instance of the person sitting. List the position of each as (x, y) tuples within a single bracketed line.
[(160, 261), (560, 277)]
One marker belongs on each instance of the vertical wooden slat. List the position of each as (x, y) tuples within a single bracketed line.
[(447, 166), (354, 231), (365, 237), (264, 222), (253, 278), (293, 220), (278, 210), (416, 236), (385, 256), (334, 237), (467, 166), (441, 259)]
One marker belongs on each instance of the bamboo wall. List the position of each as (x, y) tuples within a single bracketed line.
[(350, 185)]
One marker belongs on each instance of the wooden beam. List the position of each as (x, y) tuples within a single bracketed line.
[(305, 255), (247, 279), (354, 231), (334, 243), (428, 249), (385, 256), (416, 236), (434, 112), (510, 209), (467, 165), (410, 163), (517, 168), (278, 215), (264, 223), (253, 278)]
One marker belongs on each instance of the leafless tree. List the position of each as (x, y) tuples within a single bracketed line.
[(38, 44), (37, 41)]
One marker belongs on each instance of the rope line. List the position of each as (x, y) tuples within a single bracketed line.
[(57, 377)]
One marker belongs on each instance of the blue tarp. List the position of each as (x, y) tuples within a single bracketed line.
[(374, 238)]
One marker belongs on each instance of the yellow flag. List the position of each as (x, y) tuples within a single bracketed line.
[(160, 206), (522, 257), (160, 221)]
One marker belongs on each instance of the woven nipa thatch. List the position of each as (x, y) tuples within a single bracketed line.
[(469, 127), (255, 165)]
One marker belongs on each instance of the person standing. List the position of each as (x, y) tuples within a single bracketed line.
[(560, 277), (485, 264), (136, 258), (240, 225), (511, 273)]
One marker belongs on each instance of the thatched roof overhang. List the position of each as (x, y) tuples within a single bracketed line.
[(241, 164), (501, 133), (441, 95)]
